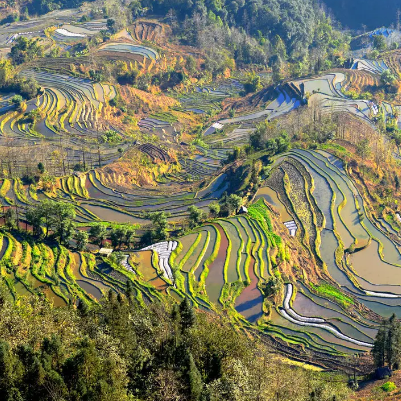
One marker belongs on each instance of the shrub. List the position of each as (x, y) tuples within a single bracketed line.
[(79, 167), (17, 99), (388, 387), (111, 137)]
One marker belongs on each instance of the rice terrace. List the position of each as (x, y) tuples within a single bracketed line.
[(180, 158)]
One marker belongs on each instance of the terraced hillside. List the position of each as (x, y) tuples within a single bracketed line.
[(228, 263), (64, 276), (128, 126), (96, 200)]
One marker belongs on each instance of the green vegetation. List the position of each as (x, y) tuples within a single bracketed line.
[(388, 387), (333, 293), (387, 346), (25, 50), (185, 355), (230, 153)]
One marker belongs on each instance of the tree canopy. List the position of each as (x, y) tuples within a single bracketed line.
[(120, 350)]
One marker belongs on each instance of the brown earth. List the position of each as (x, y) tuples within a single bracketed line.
[(371, 391)]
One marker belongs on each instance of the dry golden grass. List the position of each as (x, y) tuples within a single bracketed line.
[(136, 168)]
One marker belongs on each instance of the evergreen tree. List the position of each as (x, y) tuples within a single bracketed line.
[(8, 373), (393, 344), (187, 315), (129, 291), (379, 346), (82, 308), (195, 384), (387, 345)]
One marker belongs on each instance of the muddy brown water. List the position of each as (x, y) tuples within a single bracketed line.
[(232, 274), (367, 264), (271, 197), (190, 263), (250, 302), (106, 214), (215, 278), (149, 273)]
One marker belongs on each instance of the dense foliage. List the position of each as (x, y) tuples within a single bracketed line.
[(387, 346), (256, 32), (294, 36), (119, 350)]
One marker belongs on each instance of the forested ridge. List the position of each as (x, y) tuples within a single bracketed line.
[(121, 350), (259, 32)]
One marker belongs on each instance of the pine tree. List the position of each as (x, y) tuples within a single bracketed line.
[(187, 315), (379, 347), (195, 384), (83, 308), (176, 318), (129, 291), (393, 345), (387, 345), (8, 376)]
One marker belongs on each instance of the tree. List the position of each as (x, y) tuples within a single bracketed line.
[(82, 239), (379, 346), (118, 236), (62, 220), (28, 88), (379, 43), (117, 257), (273, 286), (363, 149), (9, 373), (187, 314), (387, 345), (10, 217), (45, 210), (41, 168), (136, 9), (195, 384), (6, 73), (160, 224), (268, 135), (190, 64), (196, 216), (129, 237), (234, 203), (34, 217), (252, 83), (214, 209), (25, 49), (388, 78), (17, 100), (393, 345), (55, 216), (111, 23)]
